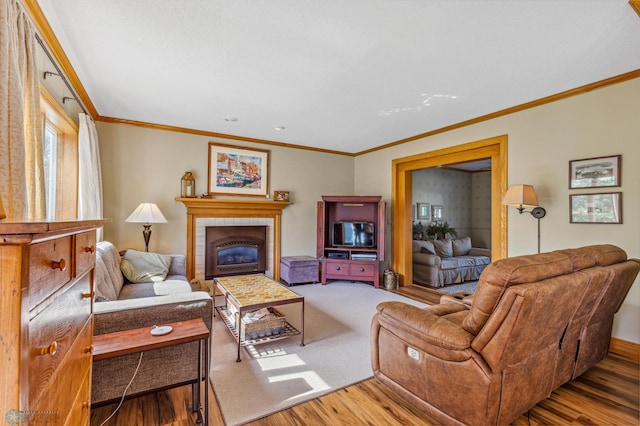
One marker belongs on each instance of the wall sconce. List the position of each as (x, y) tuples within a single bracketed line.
[(524, 196), (146, 213)]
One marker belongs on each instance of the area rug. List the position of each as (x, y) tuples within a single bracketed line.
[(281, 374)]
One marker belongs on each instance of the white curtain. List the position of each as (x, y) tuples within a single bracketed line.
[(89, 172), (21, 161)]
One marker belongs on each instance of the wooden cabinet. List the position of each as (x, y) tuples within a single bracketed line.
[(46, 323), (351, 237)]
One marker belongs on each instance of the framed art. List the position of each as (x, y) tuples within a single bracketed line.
[(595, 172), (422, 211), (596, 208), (236, 170), (437, 213)]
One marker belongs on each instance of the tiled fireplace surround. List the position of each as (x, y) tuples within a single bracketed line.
[(203, 223), (204, 212)]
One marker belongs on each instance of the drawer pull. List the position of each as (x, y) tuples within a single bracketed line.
[(61, 264), (49, 350), (89, 249), (88, 295), (361, 269), (85, 405), (88, 349), (337, 268)]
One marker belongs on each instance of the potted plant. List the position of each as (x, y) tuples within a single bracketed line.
[(439, 231), (419, 231)]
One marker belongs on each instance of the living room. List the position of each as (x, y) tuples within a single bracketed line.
[(142, 162)]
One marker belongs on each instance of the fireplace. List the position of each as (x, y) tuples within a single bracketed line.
[(235, 250)]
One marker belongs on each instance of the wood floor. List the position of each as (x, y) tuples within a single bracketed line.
[(607, 394)]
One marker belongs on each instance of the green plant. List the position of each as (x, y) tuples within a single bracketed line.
[(419, 231), (441, 230)]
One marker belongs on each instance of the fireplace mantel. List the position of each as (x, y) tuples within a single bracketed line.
[(232, 208)]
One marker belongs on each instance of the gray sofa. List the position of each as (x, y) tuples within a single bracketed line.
[(123, 305), (445, 262)]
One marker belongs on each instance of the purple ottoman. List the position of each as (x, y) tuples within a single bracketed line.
[(299, 269)]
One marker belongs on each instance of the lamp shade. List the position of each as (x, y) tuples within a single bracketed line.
[(146, 213), (520, 195)]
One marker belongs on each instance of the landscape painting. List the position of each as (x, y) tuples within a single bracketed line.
[(235, 170), (595, 172)]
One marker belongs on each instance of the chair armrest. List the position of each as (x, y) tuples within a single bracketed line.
[(476, 251), (461, 298), (119, 315), (427, 329), (426, 259)]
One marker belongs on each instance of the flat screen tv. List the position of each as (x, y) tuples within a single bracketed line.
[(353, 234)]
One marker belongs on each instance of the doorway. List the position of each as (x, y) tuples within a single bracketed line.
[(494, 149)]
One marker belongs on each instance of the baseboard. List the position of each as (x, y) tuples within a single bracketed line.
[(626, 347)]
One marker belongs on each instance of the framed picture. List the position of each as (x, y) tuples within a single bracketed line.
[(422, 211), (281, 196), (596, 208), (595, 172), (236, 170), (437, 213)]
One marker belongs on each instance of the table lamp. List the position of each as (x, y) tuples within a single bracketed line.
[(523, 196), (146, 213)]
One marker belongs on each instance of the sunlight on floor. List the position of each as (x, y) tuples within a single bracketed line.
[(310, 377), (282, 361)]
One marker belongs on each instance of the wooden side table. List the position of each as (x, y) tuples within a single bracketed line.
[(139, 340)]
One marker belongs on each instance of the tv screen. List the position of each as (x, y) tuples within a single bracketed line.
[(354, 234)]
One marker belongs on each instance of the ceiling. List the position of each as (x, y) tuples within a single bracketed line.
[(337, 75)]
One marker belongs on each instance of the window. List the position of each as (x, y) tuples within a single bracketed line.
[(60, 151), (50, 154)]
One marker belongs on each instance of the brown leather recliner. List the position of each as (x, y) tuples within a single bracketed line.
[(534, 323)]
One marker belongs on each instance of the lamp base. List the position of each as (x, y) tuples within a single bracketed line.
[(146, 233)]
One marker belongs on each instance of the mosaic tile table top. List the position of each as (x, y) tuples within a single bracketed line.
[(254, 289)]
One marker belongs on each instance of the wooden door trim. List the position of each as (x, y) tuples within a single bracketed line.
[(401, 228)]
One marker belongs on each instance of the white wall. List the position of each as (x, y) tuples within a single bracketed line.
[(541, 142), (141, 164)]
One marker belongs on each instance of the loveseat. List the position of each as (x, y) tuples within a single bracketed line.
[(534, 323), (444, 262), (123, 305)]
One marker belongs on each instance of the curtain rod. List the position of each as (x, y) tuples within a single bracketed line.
[(61, 75)]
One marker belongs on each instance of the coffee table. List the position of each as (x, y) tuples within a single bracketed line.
[(252, 292)]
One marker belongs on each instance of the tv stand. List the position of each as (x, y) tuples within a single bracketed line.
[(351, 263)]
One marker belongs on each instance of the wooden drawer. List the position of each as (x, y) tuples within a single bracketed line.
[(53, 331), (337, 268), (68, 385), (364, 270), (79, 414), (49, 268), (85, 252)]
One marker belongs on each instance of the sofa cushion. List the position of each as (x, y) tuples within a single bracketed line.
[(150, 289), (461, 246), (418, 245), (141, 267), (108, 277), (444, 248)]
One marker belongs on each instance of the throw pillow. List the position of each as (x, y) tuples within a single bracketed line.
[(443, 248), (426, 250), (141, 267), (461, 246)]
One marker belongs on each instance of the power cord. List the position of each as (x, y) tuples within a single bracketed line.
[(125, 391)]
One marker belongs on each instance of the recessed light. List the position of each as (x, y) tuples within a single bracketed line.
[(279, 128), (231, 119)]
